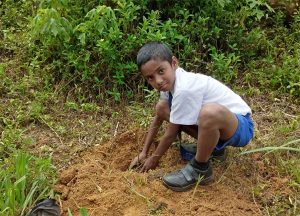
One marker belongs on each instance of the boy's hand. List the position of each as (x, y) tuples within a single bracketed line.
[(150, 163), (138, 160)]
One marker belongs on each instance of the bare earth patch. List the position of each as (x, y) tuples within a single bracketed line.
[(101, 183), (94, 175)]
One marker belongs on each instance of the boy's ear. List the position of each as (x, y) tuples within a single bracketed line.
[(174, 62)]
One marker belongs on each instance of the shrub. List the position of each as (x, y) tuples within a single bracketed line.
[(94, 46)]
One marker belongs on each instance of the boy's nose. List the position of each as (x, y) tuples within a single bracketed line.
[(159, 80)]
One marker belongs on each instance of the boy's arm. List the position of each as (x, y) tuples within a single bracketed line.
[(162, 147), (153, 129), (167, 139)]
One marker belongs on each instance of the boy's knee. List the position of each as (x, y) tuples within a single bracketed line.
[(162, 110), (210, 114)]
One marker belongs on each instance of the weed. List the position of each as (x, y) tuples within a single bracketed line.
[(70, 105), (90, 107), (224, 67), (200, 178), (276, 148), (24, 180), (142, 114), (83, 212)]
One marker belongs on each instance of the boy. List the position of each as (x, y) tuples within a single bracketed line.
[(196, 104)]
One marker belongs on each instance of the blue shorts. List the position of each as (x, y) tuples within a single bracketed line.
[(242, 135)]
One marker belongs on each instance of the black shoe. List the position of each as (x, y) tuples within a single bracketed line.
[(188, 151), (187, 177), (219, 155)]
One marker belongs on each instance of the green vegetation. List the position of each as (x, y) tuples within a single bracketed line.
[(24, 181), (93, 45), (63, 56)]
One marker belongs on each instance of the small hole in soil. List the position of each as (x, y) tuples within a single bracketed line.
[(124, 167)]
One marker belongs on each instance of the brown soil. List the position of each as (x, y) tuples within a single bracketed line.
[(98, 179), (101, 183)]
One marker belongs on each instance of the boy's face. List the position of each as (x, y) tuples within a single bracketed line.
[(160, 74)]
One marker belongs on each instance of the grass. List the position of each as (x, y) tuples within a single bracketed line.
[(37, 125), (33, 123), (24, 181), (83, 212), (25, 177), (270, 149), (85, 127), (276, 144)]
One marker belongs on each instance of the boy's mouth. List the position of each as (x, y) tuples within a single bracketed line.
[(163, 87)]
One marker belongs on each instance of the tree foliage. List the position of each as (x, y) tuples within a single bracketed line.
[(93, 44)]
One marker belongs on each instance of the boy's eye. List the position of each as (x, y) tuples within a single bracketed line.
[(149, 78), (161, 71)]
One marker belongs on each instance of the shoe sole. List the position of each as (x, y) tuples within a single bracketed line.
[(186, 188)]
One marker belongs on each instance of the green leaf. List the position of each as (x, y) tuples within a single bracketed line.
[(221, 3), (69, 212), (83, 212), (81, 38), (2, 69)]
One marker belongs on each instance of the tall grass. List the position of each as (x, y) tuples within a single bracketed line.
[(270, 149), (23, 181)]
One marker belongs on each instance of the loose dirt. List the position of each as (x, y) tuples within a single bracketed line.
[(101, 183)]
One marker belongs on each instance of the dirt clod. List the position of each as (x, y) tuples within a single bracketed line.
[(68, 175)]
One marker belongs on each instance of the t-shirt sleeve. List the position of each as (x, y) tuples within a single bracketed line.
[(185, 108)]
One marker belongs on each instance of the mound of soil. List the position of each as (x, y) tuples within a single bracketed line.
[(101, 183)]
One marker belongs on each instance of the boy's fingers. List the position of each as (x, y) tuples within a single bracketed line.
[(133, 164), (136, 163)]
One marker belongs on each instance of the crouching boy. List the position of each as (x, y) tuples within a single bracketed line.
[(194, 103)]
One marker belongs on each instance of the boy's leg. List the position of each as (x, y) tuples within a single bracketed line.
[(192, 130), (210, 114), (215, 122)]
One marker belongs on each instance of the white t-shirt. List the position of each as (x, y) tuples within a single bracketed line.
[(191, 91)]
